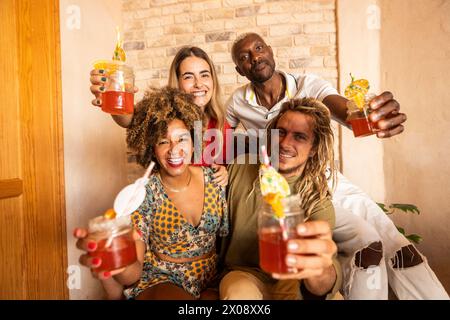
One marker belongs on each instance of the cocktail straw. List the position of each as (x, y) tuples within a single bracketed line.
[(137, 186), (266, 162), (132, 198), (265, 156)]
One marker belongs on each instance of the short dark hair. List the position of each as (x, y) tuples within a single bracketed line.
[(239, 39)]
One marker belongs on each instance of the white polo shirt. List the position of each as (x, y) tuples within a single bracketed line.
[(242, 105)]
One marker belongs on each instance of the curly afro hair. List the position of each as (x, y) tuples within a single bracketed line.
[(152, 116)]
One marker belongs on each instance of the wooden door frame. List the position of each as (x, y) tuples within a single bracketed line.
[(39, 100)]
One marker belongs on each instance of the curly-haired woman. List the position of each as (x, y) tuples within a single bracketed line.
[(193, 72), (184, 210)]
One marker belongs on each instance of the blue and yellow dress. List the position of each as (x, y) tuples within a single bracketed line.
[(165, 230)]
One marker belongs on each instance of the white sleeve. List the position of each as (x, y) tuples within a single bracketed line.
[(232, 120), (317, 87)]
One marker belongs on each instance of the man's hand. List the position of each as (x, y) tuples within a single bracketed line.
[(312, 255), (387, 115), (220, 175), (386, 112)]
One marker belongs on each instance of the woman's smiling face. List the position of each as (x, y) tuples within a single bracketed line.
[(196, 79), (174, 151)]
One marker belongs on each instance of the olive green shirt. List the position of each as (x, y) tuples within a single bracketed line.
[(240, 250)]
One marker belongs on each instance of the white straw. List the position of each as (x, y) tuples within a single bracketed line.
[(284, 231), (149, 170), (136, 188), (265, 157)]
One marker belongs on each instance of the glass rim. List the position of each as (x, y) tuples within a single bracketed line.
[(102, 224), (121, 64), (291, 206), (290, 213)]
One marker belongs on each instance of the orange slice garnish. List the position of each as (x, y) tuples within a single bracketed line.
[(109, 214), (274, 199)]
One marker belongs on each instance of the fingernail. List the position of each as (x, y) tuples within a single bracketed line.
[(292, 246), (101, 71), (102, 89), (106, 274), (381, 134), (96, 262), (373, 104), (103, 79), (139, 233), (375, 117), (291, 261), (92, 245), (98, 101), (76, 232), (301, 229)]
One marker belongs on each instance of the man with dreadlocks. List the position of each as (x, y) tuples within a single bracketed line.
[(305, 152), (368, 239)]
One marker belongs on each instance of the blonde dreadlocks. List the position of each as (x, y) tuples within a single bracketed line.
[(312, 185)]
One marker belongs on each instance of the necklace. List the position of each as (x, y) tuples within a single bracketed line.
[(278, 97), (177, 190)]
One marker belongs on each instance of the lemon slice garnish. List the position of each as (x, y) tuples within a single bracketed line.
[(274, 188), (356, 91)]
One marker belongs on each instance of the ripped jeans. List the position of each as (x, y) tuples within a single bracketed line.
[(374, 255)]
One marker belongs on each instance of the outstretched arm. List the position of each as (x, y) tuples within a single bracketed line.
[(386, 111), (338, 108)]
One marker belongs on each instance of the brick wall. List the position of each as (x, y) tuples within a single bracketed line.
[(302, 34)]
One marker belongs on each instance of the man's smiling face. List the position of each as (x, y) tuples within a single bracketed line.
[(254, 59), (296, 140)]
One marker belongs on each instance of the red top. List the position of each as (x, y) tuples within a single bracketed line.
[(211, 146)]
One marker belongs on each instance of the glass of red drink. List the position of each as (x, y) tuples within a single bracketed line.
[(118, 97), (273, 235), (359, 118), (361, 125), (115, 244)]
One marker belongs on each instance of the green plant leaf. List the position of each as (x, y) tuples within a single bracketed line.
[(383, 207), (414, 238), (405, 207), (401, 230)]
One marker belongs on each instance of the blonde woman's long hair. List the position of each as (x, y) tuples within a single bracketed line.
[(313, 183), (214, 109)]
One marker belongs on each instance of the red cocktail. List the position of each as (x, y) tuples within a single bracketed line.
[(118, 94), (361, 125), (115, 244), (272, 243), (272, 251), (117, 102)]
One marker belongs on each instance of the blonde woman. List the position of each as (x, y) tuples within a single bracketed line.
[(193, 72)]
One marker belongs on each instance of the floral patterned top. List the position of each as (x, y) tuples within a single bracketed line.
[(165, 230)]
